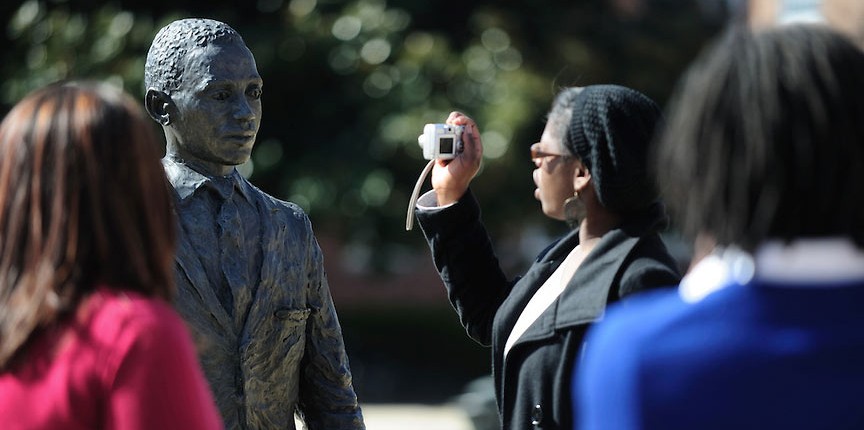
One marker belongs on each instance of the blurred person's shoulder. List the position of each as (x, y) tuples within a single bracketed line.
[(646, 314), (110, 314), (644, 322)]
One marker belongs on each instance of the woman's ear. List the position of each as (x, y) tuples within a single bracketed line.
[(581, 177), (159, 106)]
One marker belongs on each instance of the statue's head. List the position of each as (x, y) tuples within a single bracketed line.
[(203, 87)]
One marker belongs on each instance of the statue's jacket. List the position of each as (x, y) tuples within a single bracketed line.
[(286, 353)]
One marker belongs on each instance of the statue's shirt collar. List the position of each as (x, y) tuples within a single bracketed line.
[(187, 180)]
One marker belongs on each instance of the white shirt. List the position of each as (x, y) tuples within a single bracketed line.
[(543, 298)]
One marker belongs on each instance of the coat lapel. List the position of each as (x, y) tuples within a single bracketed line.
[(190, 265), (584, 299), (256, 297), (528, 285), (194, 290)]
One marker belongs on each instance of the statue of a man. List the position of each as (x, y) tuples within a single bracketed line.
[(249, 270)]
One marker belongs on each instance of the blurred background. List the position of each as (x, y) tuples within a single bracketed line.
[(348, 85)]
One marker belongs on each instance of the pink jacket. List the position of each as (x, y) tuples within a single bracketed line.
[(124, 362)]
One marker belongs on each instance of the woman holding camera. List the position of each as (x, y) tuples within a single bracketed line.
[(88, 338), (591, 171)]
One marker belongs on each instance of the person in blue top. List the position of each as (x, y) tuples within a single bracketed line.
[(762, 161)]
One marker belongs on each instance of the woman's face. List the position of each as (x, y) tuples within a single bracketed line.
[(554, 174)]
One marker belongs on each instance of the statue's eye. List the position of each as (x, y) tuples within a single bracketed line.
[(221, 95)]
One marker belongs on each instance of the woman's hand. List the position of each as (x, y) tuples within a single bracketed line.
[(450, 178)]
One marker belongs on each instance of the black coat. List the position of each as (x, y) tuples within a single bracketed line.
[(533, 384)]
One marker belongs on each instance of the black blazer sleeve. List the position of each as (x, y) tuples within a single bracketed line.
[(463, 254)]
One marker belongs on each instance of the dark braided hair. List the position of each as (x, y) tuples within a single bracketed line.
[(765, 139)]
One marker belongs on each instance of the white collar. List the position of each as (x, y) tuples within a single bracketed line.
[(817, 260), (802, 262), (715, 271)]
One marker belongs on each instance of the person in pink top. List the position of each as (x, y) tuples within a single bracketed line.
[(88, 338)]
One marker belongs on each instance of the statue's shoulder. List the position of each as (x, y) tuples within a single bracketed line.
[(278, 207)]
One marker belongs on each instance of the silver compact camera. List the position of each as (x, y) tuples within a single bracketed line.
[(442, 141)]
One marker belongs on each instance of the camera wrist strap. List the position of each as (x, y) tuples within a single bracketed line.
[(412, 203)]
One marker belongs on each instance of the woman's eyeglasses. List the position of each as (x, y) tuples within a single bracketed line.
[(537, 153)]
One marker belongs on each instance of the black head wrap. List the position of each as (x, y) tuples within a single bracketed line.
[(610, 131)]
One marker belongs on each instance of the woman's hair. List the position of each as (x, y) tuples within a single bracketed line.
[(83, 202), (765, 139), (560, 114)]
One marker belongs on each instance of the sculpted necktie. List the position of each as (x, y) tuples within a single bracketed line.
[(232, 255)]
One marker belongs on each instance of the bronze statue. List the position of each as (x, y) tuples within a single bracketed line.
[(249, 270)]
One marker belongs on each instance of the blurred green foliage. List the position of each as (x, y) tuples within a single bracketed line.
[(350, 83)]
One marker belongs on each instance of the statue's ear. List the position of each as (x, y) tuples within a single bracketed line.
[(159, 105)]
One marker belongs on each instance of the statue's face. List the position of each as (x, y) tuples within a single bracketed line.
[(218, 105)]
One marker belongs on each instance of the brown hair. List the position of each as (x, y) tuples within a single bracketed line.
[(83, 202)]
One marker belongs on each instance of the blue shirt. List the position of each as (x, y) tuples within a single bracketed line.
[(756, 356)]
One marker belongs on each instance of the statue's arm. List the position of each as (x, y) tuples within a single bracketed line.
[(327, 397)]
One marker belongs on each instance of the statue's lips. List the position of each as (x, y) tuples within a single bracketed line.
[(240, 139)]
